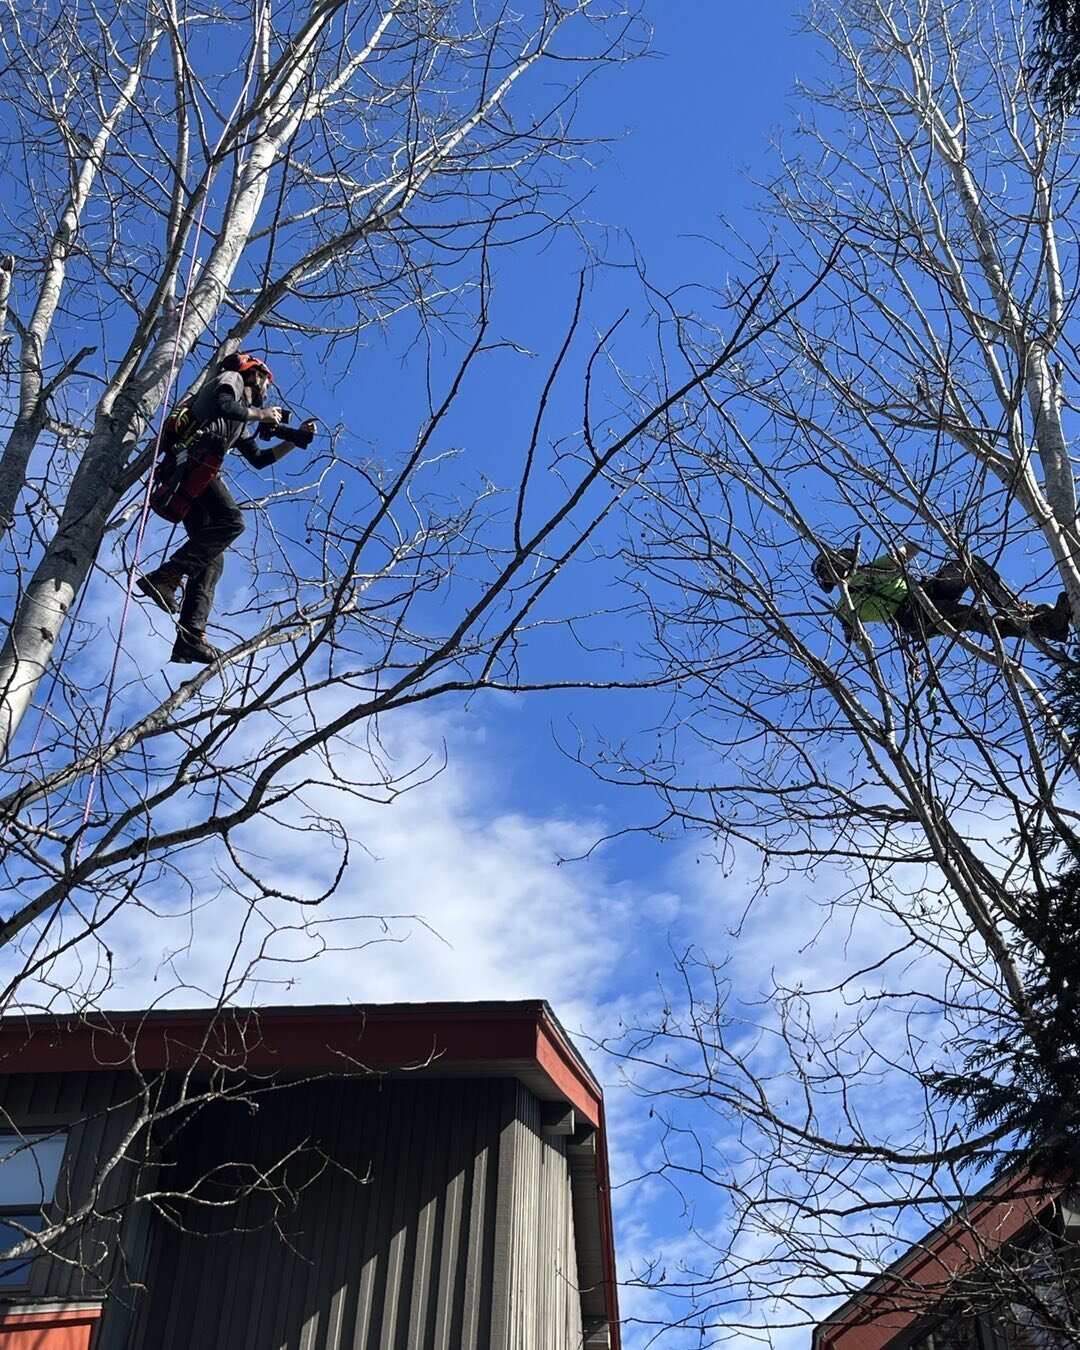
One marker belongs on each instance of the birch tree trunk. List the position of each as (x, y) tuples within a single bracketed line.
[(308, 74)]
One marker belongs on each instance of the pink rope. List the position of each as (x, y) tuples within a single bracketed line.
[(25, 774), (145, 512)]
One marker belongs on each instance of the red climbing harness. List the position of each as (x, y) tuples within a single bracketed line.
[(189, 458), (188, 463)]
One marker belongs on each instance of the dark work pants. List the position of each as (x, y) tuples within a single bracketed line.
[(213, 523), (945, 590)]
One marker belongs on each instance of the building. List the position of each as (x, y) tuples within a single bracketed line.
[(1000, 1274), (420, 1176)]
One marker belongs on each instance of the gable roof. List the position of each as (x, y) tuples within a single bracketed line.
[(904, 1293)]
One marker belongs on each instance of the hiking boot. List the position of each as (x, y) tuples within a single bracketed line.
[(161, 586), (1053, 621), (191, 647)]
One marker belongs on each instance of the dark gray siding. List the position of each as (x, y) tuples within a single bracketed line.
[(383, 1236), (395, 1214), (537, 1305), (97, 1110)]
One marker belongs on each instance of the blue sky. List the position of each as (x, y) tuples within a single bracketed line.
[(476, 854), (699, 115), (471, 864)]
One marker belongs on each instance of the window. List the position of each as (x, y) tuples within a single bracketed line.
[(29, 1166), (961, 1331)]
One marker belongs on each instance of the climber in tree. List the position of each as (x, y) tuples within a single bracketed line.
[(187, 488), (884, 591)]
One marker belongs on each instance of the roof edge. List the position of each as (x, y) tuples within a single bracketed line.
[(909, 1286)]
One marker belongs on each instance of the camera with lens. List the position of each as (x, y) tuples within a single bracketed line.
[(283, 432)]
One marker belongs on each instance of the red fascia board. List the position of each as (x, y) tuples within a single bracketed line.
[(30, 1319), (909, 1290), (303, 1039), (559, 1062)]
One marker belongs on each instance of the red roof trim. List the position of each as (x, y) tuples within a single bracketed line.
[(30, 1319), (559, 1061), (377, 1038), (909, 1289)]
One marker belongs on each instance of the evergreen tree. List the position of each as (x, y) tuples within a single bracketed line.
[(1057, 52)]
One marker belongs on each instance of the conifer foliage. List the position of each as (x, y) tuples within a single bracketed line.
[(1057, 53)]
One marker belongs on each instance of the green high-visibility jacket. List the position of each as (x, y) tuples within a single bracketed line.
[(877, 591)]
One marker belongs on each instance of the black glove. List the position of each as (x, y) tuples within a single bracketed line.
[(295, 436), (274, 431)]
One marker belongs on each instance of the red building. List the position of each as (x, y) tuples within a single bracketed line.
[(1000, 1274), (337, 1178)]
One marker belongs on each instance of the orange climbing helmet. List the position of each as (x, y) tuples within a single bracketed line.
[(242, 362)]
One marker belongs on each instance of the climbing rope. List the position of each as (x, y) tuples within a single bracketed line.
[(58, 666), (163, 412)]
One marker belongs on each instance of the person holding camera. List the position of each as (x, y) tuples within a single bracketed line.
[(187, 488)]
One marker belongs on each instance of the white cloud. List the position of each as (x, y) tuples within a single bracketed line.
[(476, 898)]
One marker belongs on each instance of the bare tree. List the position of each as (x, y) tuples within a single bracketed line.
[(911, 796), (192, 183), (199, 182)]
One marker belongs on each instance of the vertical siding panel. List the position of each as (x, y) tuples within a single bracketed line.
[(542, 1254), (279, 1323), (86, 1249), (502, 1299), (260, 1282), (296, 1113), (222, 1319), (530, 1283), (387, 1215), (398, 1264), (14, 1100), (326, 1231), (477, 1294), (237, 1312), (386, 1118), (196, 1316), (122, 1237), (159, 1309), (522, 1221), (424, 1215), (348, 1204), (422, 1286), (448, 1277), (47, 1089), (203, 1308), (126, 1301)]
